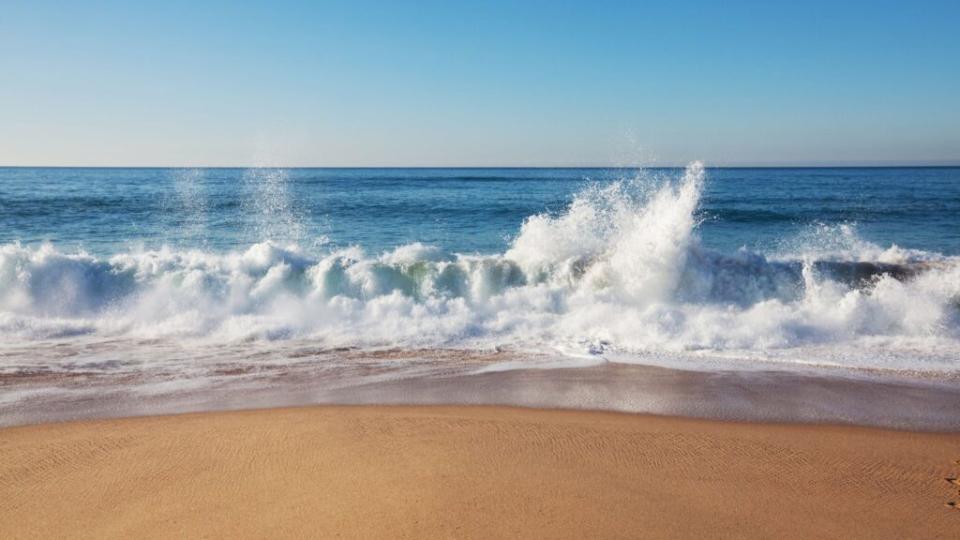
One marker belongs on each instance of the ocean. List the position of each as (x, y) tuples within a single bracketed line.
[(168, 280)]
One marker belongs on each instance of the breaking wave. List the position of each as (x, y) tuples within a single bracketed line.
[(619, 273)]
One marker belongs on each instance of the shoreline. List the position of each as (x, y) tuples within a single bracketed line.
[(916, 405), (429, 471)]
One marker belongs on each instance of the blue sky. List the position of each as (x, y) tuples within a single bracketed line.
[(486, 83)]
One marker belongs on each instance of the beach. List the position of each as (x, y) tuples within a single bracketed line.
[(471, 472), (479, 353), (479, 270)]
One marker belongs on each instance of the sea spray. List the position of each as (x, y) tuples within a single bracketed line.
[(269, 202), (189, 202), (620, 273)]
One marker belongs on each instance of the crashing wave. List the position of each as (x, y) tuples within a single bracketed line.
[(621, 266)]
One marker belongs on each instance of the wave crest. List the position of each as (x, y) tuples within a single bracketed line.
[(622, 266)]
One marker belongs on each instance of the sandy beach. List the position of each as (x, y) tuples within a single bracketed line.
[(479, 270), (471, 472)]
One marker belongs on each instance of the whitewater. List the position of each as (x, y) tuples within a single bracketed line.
[(618, 276)]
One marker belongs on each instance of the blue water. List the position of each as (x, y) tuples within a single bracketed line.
[(103, 211), (121, 272)]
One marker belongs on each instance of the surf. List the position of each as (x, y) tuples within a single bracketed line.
[(620, 273)]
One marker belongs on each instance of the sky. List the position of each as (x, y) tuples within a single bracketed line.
[(514, 83)]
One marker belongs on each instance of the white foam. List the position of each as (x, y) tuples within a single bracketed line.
[(622, 267)]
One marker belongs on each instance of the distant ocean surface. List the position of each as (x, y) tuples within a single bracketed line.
[(177, 270), (105, 212)]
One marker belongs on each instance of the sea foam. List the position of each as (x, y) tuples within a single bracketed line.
[(620, 274)]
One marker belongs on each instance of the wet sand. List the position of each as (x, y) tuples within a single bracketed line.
[(471, 472), (817, 396)]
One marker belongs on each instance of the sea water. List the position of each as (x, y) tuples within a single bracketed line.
[(172, 271)]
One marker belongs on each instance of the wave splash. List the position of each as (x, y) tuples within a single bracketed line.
[(620, 272)]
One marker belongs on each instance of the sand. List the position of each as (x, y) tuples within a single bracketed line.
[(471, 472)]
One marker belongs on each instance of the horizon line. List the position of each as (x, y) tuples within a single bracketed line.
[(838, 165)]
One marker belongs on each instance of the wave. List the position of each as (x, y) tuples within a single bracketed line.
[(620, 271)]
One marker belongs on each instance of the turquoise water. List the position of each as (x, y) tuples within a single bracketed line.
[(172, 269)]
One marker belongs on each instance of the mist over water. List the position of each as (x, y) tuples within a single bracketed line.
[(630, 267), (269, 203), (189, 201)]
